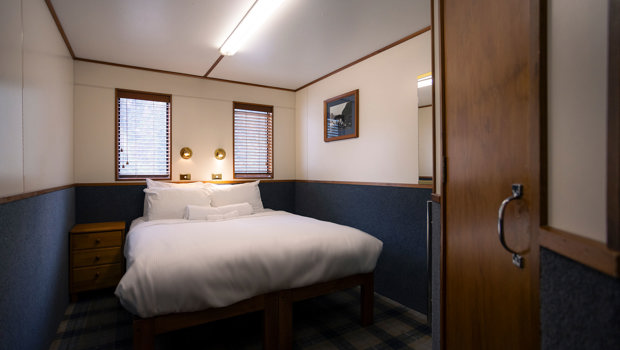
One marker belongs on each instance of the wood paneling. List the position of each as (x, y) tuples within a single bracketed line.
[(491, 122)]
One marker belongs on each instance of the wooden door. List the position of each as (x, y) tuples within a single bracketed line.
[(491, 124)]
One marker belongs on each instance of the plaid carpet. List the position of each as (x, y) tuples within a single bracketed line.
[(97, 321)]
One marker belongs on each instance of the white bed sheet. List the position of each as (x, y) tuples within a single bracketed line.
[(182, 266)]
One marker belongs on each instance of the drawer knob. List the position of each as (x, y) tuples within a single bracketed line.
[(97, 258), (97, 241), (96, 275)]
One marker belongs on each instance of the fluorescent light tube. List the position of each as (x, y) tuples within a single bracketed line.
[(258, 13), (427, 81)]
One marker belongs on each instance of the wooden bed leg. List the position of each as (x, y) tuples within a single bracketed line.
[(285, 320), (367, 300), (270, 322), (143, 334)]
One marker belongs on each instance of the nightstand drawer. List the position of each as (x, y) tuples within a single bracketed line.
[(91, 257), (96, 277), (97, 240)]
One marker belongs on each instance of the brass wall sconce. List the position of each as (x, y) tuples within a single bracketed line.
[(186, 153), (220, 154)]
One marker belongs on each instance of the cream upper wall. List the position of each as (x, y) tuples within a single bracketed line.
[(11, 149), (36, 99), (425, 141), (577, 116), (201, 120), (387, 147)]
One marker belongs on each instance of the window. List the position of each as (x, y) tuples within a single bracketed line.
[(252, 141), (142, 135)]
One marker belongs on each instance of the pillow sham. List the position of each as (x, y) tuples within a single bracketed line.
[(195, 212), (151, 184), (232, 194), (170, 203)]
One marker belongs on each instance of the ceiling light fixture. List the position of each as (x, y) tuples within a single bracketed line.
[(425, 79), (257, 14)]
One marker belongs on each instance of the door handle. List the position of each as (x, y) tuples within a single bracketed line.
[(517, 192)]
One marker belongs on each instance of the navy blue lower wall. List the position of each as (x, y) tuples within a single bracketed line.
[(436, 275), (579, 306), (278, 195), (108, 203), (395, 215), (34, 268)]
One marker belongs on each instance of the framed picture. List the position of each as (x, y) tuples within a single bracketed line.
[(341, 115)]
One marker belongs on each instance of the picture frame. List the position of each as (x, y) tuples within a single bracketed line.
[(341, 116)]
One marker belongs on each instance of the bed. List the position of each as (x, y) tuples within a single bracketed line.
[(231, 257)]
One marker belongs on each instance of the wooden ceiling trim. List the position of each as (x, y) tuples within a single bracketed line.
[(206, 75), (249, 84), (213, 66), (138, 67), (397, 42), (59, 26)]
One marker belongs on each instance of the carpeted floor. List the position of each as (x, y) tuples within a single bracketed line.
[(97, 321)]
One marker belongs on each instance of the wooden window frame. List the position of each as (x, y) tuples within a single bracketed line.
[(141, 95), (262, 108)]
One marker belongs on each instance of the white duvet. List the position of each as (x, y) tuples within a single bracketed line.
[(182, 266)]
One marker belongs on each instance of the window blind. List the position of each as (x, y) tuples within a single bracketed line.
[(252, 141), (142, 135)]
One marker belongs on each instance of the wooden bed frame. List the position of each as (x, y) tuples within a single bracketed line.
[(277, 307)]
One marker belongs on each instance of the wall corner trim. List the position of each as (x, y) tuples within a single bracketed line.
[(583, 250)]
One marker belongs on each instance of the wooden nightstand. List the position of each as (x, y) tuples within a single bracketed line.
[(95, 256)]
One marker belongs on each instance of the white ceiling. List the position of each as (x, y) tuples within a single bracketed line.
[(303, 41)]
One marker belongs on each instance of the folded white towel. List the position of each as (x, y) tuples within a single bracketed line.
[(196, 212)]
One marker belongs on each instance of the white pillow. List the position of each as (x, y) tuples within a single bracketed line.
[(244, 193), (194, 212), (170, 203), (151, 184)]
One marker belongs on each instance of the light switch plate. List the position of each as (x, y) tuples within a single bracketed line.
[(216, 176), (186, 176)]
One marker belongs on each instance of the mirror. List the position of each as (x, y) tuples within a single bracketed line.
[(425, 128)]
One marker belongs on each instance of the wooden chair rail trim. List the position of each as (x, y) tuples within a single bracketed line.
[(583, 250), (382, 184), (26, 195)]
